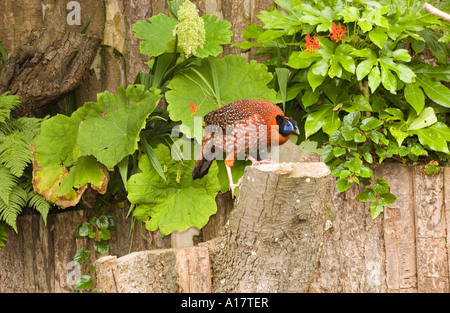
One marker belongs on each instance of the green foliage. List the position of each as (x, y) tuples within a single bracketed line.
[(98, 229), (365, 88), (16, 191), (68, 157), (159, 36), (178, 203), (213, 83), (127, 111)]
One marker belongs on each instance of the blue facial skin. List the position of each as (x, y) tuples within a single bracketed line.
[(287, 126)]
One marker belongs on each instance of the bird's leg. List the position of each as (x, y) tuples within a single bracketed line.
[(230, 179), (256, 162)]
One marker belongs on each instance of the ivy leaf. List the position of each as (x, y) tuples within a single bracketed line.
[(375, 209), (178, 204), (111, 128), (81, 255), (352, 119), (158, 34), (84, 282), (398, 131), (343, 184), (104, 234), (101, 246), (387, 199), (370, 123), (380, 186), (236, 79), (367, 195), (102, 221)]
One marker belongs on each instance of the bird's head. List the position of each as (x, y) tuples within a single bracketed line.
[(286, 125)]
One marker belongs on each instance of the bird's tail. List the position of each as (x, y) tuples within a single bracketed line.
[(201, 168)]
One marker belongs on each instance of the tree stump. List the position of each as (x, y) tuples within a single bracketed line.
[(273, 239), (271, 242), (165, 270)]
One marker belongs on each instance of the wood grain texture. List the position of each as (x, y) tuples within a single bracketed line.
[(273, 238), (170, 270)]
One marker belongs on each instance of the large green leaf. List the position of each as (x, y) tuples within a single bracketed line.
[(68, 151), (56, 175), (177, 204), (217, 33), (213, 83), (112, 126), (158, 36)]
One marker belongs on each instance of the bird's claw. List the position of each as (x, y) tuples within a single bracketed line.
[(233, 186), (256, 162)]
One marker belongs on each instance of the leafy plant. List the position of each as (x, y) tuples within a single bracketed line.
[(352, 72), (194, 82), (213, 83), (178, 203), (98, 228), (68, 158), (16, 191)]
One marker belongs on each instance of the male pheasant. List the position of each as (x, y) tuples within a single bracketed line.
[(239, 129)]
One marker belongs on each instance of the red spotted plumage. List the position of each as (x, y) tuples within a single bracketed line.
[(239, 129)]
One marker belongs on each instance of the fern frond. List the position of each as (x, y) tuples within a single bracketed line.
[(15, 152), (3, 234), (30, 126), (36, 201), (7, 103), (7, 183), (40, 204), (18, 198)]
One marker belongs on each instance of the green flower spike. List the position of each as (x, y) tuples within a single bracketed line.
[(191, 29)]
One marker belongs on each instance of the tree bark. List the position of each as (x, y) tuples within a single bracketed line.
[(41, 79), (273, 239), (169, 270)]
